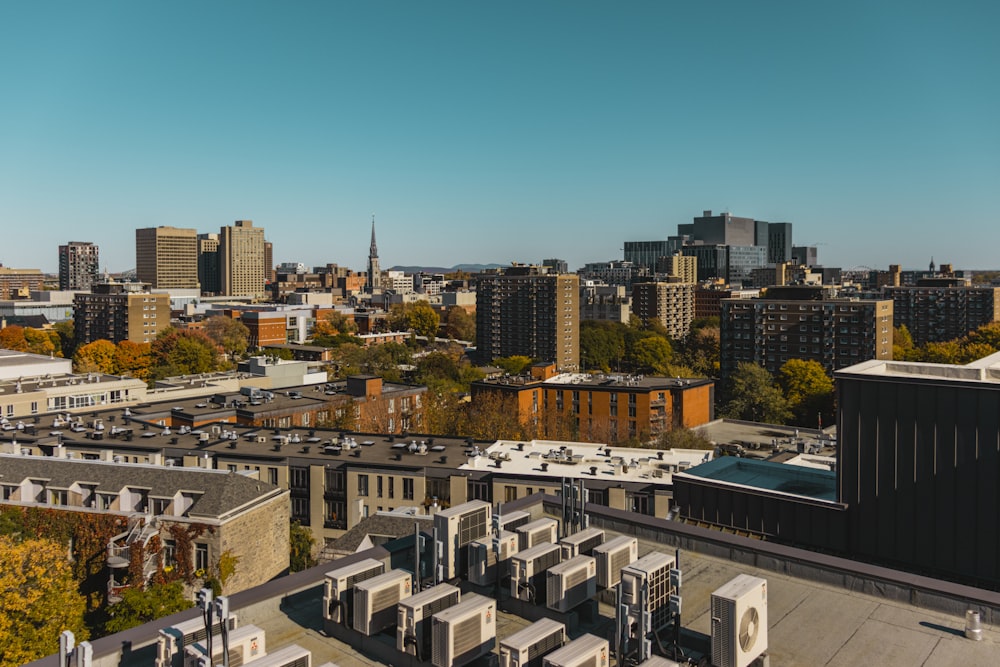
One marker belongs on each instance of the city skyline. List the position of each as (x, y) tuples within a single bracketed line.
[(489, 134)]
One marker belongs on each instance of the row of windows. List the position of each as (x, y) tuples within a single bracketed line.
[(380, 486)]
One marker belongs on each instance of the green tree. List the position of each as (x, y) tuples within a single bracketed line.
[(700, 351), (38, 600), (652, 355), (301, 543), (809, 392), (439, 371), (183, 352), (602, 345), (424, 320), (139, 606), (347, 359), (902, 344), (682, 438), (230, 335), (514, 365), (96, 357), (754, 397), (66, 331), (459, 324)]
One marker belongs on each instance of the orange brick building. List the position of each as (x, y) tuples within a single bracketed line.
[(606, 408)]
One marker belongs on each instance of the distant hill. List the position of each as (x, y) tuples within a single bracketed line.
[(468, 268)]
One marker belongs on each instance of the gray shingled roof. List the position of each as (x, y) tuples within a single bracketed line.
[(221, 492)]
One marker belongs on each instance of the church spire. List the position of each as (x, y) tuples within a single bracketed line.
[(374, 271)]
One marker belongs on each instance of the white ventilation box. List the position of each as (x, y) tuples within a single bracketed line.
[(581, 543), (245, 644), (527, 571), (653, 572), (465, 632), (483, 568), (571, 583), (612, 556), (537, 532), (375, 601), (173, 640), (527, 647), (585, 651), (739, 622), (289, 656), (458, 527), (338, 601), (513, 520), (659, 661), (413, 620)]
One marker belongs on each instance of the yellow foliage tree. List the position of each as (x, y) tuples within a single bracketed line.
[(38, 600)]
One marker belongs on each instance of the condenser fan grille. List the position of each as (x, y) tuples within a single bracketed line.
[(749, 624)]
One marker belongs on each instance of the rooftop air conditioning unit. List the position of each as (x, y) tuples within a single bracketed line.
[(527, 571), (375, 601), (483, 565), (245, 644), (651, 572), (289, 656), (585, 651), (571, 583), (173, 640), (338, 600), (537, 532), (462, 633), (413, 624), (581, 543), (659, 661), (612, 556), (527, 647), (739, 621), (514, 520), (457, 527)]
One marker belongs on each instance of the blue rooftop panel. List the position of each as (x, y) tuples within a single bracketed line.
[(809, 482)]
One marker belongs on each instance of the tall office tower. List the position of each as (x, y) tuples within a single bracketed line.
[(804, 322), (527, 311), (941, 309), (682, 266), (644, 254), (120, 311), (779, 242), (268, 261), (209, 274), (670, 304), (725, 229), (167, 257), (241, 259), (374, 272), (556, 265), (79, 265)]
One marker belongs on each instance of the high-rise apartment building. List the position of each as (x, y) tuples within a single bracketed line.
[(941, 309), (241, 259), (209, 274), (670, 304), (804, 322), (79, 265), (167, 257), (681, 266), (120, 311), (527, 311)]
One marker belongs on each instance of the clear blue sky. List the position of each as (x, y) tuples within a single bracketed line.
[(491, 132)]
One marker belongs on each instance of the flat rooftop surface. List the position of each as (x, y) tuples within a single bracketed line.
[(764, 437), (797, 480), (808, 623)]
